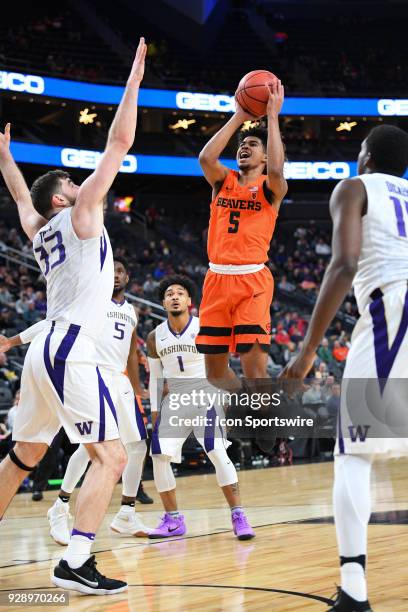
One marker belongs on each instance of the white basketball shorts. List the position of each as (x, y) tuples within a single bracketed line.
[(61, 385)]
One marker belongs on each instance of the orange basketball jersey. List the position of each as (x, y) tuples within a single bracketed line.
[(242, 222)]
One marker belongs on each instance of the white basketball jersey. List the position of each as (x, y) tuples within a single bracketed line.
[(178, 352), (79, 273), (384, 250), (113, 343)]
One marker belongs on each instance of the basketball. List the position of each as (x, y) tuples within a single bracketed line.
[(251, 93)]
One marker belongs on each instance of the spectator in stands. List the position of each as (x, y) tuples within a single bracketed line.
[(31, 315), (324, 352), (40, 303), (333, 403), (6, 299), (11, 415), (313, 395), (7, 373), (285, 285), (339, 351), (7, 318), (282, 336), (149, 286), (322, 248)]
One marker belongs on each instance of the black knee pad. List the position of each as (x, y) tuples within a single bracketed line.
[(19, 463)]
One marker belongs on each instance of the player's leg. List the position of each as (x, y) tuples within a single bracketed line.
[(58, 514), (252, 326), (352, 508), (14, 468), (88, 416), (172, 522), (254, 361), (34, 428), (126, 520), (214, 337), (212, 438), (133, 434), (220, 374)]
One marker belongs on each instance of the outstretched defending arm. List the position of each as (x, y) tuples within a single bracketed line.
[(30, 220), (87, 214), (347, 205), (214, 171), (275, 151), (22, 338)]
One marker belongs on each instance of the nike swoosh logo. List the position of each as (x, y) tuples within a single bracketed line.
[(171, 530), (161, 339), (126, 392), (257, 294), (88, 582)]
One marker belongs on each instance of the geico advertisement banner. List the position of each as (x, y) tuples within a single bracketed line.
[(86, 159), (194, 101)]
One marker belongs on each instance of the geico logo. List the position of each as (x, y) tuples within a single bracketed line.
[(316, 170), (205, 102), (392, 107), (80, 158), (14, 81)]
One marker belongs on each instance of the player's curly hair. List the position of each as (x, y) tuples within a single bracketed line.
[(44, 188), (123, 261), (388, 148), (176, 279), (257, 132)]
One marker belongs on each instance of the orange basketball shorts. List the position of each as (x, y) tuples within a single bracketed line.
[(235, 312)]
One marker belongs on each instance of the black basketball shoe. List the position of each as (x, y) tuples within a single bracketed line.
[(86, 579), (142, 496), (345, 603)]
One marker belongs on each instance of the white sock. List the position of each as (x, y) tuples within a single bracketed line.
[(78, 551), (352, 508), (128, 509), (353, 581)]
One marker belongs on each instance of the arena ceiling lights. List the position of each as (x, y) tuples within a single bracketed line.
[(194, 101)]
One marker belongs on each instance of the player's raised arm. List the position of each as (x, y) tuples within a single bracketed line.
[(214, 171), (87, 215), (30, 220), (275, 151), (346, 208)]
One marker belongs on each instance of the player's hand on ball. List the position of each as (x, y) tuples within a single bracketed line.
[(5, 344), (242, 114), (138, 67), (276, 93), (5, 141)]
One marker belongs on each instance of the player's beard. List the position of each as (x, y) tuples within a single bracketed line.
[(118, 290), (176, 313)]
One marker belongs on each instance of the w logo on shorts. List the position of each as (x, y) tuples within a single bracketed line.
[(85, 427), (359, 432)]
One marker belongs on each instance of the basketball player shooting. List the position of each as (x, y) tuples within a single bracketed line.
[(238, 287), (61, 384), (370, 251)]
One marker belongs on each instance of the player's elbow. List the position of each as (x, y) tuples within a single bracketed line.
[(122, 143), (205, 159), (346, 266)]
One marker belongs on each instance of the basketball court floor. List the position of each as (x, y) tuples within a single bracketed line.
[(292, 564)]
